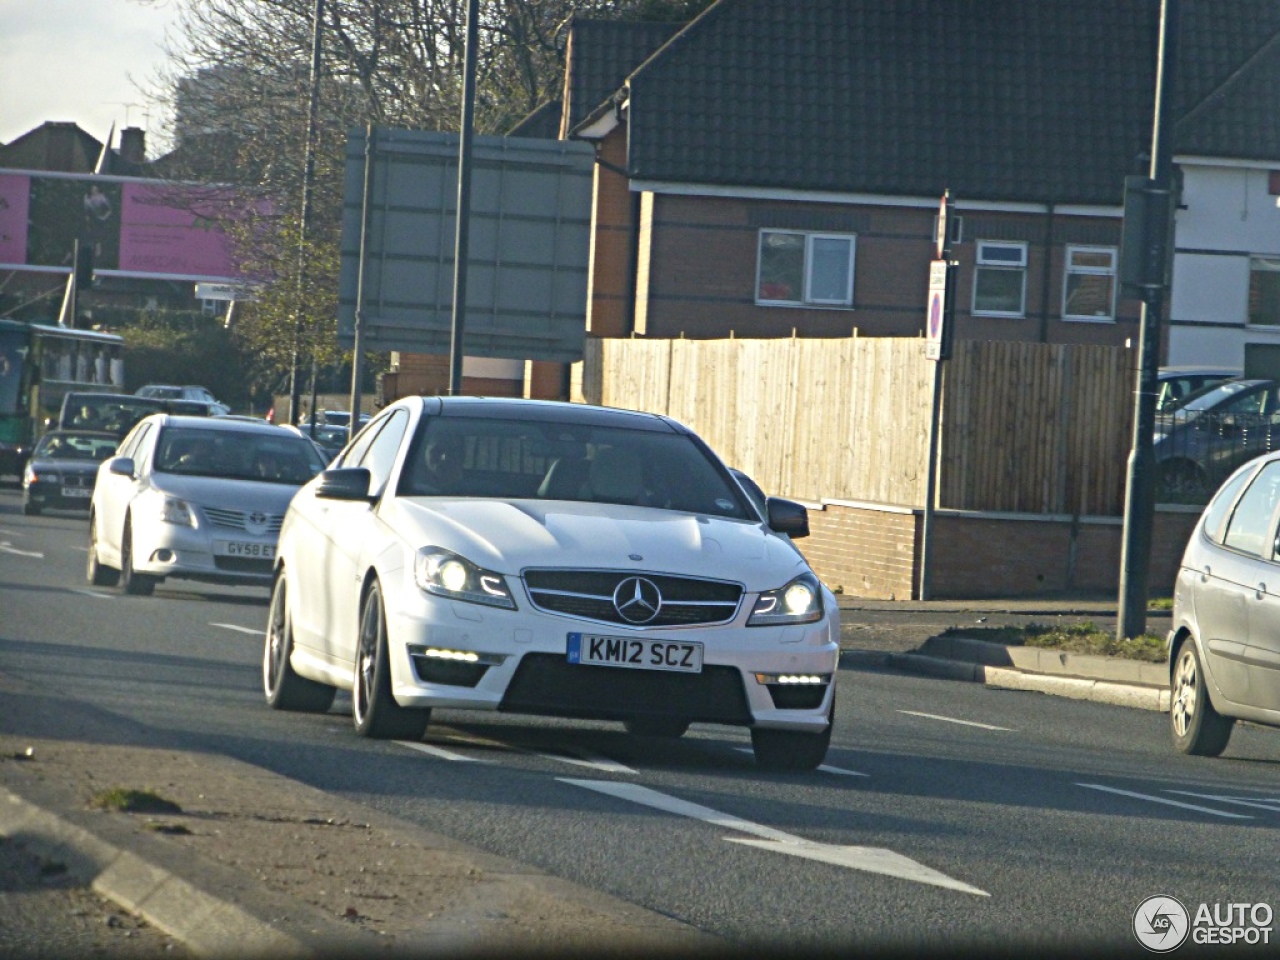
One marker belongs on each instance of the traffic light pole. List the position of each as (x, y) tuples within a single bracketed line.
[(1153, 276)]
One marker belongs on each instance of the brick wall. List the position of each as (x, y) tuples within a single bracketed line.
[(870, 551)]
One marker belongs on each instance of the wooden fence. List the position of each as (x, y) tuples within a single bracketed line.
[(1026, 427)]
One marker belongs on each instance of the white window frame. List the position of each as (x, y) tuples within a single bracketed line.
[(982, 263), (1069, 269), (808, 300)]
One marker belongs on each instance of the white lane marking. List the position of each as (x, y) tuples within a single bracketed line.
[(439, 752), (967, 723), (1259, 803), (1164, 800), (6, 547), (868, 859), (93, 593), (603, 764), (824, 767), (256, 631), (11, 533)]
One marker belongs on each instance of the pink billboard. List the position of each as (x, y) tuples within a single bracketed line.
[(138, 228)]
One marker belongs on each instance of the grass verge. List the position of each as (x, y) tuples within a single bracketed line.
[(1075, 638)]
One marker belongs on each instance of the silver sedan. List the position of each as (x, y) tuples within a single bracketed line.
[(196, 498)]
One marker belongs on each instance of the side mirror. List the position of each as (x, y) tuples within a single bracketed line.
[(345, 483), (121, 466), (787, 516)]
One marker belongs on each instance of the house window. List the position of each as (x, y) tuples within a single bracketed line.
[(805, 268), (1264, 291), (1088, 292), (1000, 279)]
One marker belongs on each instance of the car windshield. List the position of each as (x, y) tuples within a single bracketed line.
[(66, 445), (1206, 398), (522, 459), (238, 455), (114, 414)]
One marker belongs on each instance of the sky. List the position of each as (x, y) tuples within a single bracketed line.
[(78, 60)]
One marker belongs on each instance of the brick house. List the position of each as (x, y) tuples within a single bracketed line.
[(772, 167)]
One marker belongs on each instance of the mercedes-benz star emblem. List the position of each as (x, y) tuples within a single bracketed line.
[(637, 600)]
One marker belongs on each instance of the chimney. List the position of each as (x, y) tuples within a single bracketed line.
[(133, 145)]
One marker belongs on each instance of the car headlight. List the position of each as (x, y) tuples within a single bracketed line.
[(178, 512), (448, 575), (800, 601)]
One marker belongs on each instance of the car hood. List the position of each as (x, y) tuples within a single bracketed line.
[(243, 495), (509, 535)]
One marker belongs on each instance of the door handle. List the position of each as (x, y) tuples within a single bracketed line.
[(1262, 589), (1204, 577)]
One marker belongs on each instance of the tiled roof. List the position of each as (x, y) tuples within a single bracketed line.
[(1030, 100), (600, 56), (543, 123)]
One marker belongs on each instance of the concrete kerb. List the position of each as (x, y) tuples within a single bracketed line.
[(1124, 683), (210, 926)]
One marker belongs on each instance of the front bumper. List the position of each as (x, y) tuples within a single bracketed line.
[(168, 550), (55, 495), (447, 653)]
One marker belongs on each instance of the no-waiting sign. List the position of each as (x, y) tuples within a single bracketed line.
[(935, 322)]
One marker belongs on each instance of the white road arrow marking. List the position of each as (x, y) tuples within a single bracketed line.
[(93, 593), (1259, 803), (1164, 800), (967, 723), (439, 752), (256, 631), (6, 547), (603, 764), (867, 859)]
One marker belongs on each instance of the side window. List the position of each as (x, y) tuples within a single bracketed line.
[(1222, 500), (1250, 528), (380, 456), (355, 453), (133, 441)]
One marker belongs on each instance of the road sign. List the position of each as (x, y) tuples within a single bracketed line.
[(935, 322)]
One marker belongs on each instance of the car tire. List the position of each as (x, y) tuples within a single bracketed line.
[(96, 572), (670, 728), (285, 690), (1182, 479), (1197, 728), (374, 709), (793, 749), (31, 508), (131, 582)]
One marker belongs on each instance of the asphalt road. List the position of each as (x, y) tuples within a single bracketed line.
[(949, 815)]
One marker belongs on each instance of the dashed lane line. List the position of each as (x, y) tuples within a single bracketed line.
[(966, 723), (7, 547), (1166, 801), (1258, 803), (440, 753), (92, 593), (256, 631), (824, 767)]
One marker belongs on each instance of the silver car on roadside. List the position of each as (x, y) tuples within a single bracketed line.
[(198, 498), (1224, 645)]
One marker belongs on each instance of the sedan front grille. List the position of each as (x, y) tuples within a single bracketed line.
[(239, 520), (589, 594)]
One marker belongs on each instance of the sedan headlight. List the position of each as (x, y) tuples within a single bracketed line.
[(800, 601), (178, 512), (448, 575)]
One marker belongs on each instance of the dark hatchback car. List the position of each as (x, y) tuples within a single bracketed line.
[(63, 468), (1216, 429)]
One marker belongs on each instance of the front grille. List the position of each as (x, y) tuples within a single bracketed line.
[(589, 594), (238, 519), (547, 684), (243, 565), (80, 480)]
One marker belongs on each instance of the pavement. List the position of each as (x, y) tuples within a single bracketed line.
[(251, 864)]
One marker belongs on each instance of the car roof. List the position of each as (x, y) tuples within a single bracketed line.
[(550, 411), (1192, 369), (217, 424)]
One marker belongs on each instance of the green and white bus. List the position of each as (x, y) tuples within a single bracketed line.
[(39, 365)]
